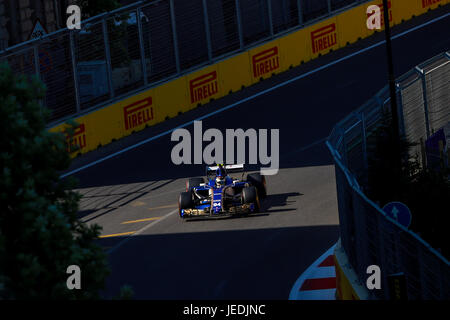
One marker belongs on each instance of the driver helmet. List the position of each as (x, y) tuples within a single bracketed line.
[(220, 176)]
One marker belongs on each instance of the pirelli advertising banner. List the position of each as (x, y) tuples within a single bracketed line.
[(203, 86), (171, 98), (324, 37), (265, 61)]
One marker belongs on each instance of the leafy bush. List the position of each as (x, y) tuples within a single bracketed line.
[(40, 235)]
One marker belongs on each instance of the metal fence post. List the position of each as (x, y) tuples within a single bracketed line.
[(400, 110), (108, 58), (207, 30), (239, 24), (300, 12), (344, 149), (425, 99), (36, 61), (75, 72), (364, 139), (269, 10), (141, 46), (37, 68), (174, 34)]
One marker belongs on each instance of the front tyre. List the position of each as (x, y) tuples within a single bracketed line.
[(249, 196), (185, 202)]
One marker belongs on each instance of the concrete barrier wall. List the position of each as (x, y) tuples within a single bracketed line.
[(167, 100), (348, 286)]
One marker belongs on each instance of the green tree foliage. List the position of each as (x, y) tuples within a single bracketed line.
[(40, 235), (425, 192), (386, 180)]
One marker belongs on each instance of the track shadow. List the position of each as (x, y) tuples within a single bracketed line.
[(224, 217), (114, 198), (279, 200), (83, 213), (238, 264), (91, 212)]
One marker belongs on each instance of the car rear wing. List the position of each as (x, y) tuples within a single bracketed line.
[(230, 168)]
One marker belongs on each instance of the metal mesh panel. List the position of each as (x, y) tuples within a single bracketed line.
[(313, 9), (92, 68), (57, 73), (21, 62), (430, 276), (438, 95), (413, 109), (255, 20), (335, 137), (355, 148), (126, 64), (445, 280), (191, 32), (284, 14), (158, 41), (372, 116), (338, 4), (346, 218), (410, 265), (362, 248), (222, 16), (390, 263)]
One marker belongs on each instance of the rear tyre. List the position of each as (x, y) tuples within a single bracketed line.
[(259, 181), (193, 182), (185, 201), (250, 195)]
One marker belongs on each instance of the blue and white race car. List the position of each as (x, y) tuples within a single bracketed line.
[(222, 194)]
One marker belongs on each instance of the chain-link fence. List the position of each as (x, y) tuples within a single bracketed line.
[(426, 94), (368, 236), (137, 46)]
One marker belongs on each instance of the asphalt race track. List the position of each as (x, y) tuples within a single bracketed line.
[(133, 195)]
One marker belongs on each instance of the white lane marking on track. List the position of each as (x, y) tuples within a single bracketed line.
[(140, 231), (253, 96), (306, 274)]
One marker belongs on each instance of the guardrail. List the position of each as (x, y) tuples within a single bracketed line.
[(147, 43), (368, 236)]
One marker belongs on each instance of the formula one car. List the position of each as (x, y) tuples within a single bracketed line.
[(222, 194)]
